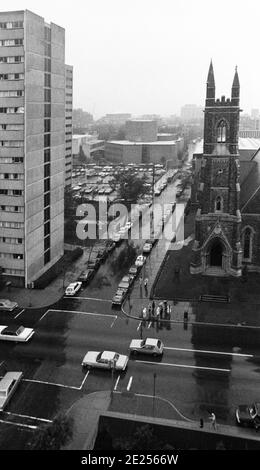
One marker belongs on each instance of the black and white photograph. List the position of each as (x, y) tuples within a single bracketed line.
[(129, 229)]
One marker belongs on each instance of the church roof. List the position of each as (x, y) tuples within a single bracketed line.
[(211, 79), (250, 188)]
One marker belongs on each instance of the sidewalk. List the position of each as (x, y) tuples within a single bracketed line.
[(85, 414)]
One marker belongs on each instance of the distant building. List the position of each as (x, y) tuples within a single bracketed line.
[(115, 118), (68, 123), (81, 119), (191, 112), (32, 146), (254, 113), (141, 130), (88, 146)]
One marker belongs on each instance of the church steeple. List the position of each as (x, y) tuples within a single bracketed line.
[(210, 95), (235, 90)]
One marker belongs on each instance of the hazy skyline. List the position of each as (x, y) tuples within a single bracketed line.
[(145, 56)]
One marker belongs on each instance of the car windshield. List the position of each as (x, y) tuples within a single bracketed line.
[(99, 356)]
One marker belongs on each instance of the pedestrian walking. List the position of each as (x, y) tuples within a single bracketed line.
[(140, 281), (165, 306), (213, 421), (153, 307), (146, 282), (158, 310), (149, 312)]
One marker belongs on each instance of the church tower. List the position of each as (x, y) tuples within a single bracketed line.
[(217, 248)]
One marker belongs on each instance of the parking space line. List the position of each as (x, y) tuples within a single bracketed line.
[(129, 383), (149, 325), (51, 383), (30, 417), (89, 298), (77, 312), (210, 352), (113, 322), (84, 380), (117, 381), (18, 424), (184, 366), (139, 326), (18, 314)]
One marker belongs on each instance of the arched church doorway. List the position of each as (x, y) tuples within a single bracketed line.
[(216, 254)]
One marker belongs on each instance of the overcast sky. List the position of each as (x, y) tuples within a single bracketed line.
[(152, 56)]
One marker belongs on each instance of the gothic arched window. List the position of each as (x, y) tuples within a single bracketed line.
[(247, 243), (222, 132), (218, 203)]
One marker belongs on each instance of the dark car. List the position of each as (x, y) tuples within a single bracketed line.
[(93, 263), (248, 415), (86, 276)]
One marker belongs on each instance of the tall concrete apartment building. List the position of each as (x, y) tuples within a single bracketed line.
[(68, 123), (32, 145)]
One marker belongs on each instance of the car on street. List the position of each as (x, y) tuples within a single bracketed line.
[(124, 285), (73, 288), (140, 260), (105, 360), (6, 304), (15, 333), (8, 385), (119, 297), (86, 276), (147, 247), (133, 270), (248, 415), (151, 346), (128, 278)]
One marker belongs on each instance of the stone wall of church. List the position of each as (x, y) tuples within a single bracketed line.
[(253, 221)]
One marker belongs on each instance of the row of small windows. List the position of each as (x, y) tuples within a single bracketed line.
[(17, 59), (11, 176), (11, 25), (13, 110), (11, 93), (11, 240), (11, 42), (11, 255), (11, 143), (11, 192), (11, 160), (11, 76), (11, 224), (14, 272), (11, 208), (11, 127)]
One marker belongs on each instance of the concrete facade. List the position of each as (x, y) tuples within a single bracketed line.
[(31, 237), (68, 123), (142, 152), (140, 130)]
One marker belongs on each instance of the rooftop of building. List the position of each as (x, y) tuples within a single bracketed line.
[(129, 142)]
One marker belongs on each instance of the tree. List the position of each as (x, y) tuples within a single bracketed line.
[(130, 187), (52, 436)]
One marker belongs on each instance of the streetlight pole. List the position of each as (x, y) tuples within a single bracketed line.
[(154, 379)]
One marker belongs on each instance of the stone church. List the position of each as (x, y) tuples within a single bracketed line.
[(227, 223)]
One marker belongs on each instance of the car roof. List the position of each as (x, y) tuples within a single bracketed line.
[(151, 341), (5, 300), (108, 355), (7, 380), (13, 328)]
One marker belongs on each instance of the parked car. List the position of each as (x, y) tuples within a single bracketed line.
[(147, 247), (133, 270), (128, 278), (73, 288), (105, 360), (248, 415), (119, 297), (8, 385), (140, 260), (150, 346), (6, 304), (15, 333), (86, 276), (124, 285)]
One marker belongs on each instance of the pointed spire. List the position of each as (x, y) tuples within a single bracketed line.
[(211, 79), (236, 79)]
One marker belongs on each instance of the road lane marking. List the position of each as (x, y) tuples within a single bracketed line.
[(139, 326), (19, 424), (210, 352), (117, 381), (89, 298), (184, 365), (30, 417), (113, 322), (79, 312), (51, 383), (149, 325), (84, 380), (129, 383), (18, 314)]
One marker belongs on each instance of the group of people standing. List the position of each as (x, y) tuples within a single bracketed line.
[(160, 311)]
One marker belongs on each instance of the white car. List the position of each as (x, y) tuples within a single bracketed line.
[(8, 384), (6, 304), (73, 288), (118, 297), (105, 360), (140, 260), (15, 333), (147, 247), (150, 346)]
